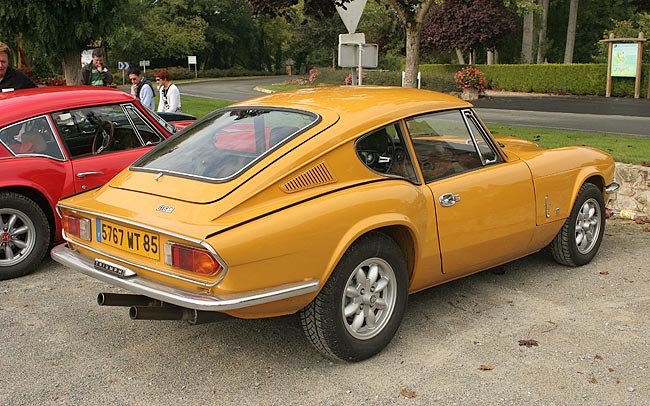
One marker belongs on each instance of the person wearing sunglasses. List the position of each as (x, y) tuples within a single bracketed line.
[(170, 96), (141, 88)]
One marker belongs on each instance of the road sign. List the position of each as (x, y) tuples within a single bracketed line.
[(123, 65), (358, 55), (145, 63), (351, 13)]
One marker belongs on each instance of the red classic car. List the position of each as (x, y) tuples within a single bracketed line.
[(56, 142)]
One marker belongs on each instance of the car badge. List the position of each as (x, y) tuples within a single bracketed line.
[(164, 208), (158, 176)]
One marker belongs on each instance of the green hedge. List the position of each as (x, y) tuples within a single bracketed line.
[(578, 79)]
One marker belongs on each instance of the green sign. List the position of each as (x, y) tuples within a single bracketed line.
[(624, 57)]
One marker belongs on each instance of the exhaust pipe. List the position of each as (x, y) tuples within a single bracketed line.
[(123, 299), (146, 308), (172, 312)]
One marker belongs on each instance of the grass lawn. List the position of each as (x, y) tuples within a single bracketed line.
[(627, 149)]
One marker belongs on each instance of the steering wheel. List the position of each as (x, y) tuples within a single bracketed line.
[(103, 137), (377, 151)]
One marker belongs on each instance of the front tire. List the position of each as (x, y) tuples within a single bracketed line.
[(360, 308), (579, 239), (24, 235)]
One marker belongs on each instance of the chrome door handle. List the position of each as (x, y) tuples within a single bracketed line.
[(448, 199), (84, 174)]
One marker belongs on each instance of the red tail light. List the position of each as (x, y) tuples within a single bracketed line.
[(191, 259), (76, 226)]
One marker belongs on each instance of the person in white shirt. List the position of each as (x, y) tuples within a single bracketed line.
[(170, 96)]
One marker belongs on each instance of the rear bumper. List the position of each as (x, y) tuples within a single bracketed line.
[(192, 300)]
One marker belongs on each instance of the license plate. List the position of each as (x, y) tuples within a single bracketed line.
[(128, 239)]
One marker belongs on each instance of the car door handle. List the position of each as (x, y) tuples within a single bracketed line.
[(448, 199), (84, 174)]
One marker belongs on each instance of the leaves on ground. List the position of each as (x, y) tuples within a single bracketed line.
[(407, 393), (528, 343)]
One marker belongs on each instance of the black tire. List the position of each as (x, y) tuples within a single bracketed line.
[(24, 235), (379, 300), (579, 239)]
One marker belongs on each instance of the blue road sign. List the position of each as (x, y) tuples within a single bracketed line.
[(123, 65)]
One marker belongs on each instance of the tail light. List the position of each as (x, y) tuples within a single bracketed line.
[(192, 259), (76, 226)]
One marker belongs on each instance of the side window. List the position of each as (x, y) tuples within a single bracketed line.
[(383, 151), (443, 144), (96, 130), (148, 135), (30, 137)]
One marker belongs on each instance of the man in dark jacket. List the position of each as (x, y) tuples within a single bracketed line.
[(10, 78), (96, 73), (142, 88)]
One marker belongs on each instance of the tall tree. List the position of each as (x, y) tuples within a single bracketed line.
[(528, 34), (571, 31), (69, 25), (541, 43)]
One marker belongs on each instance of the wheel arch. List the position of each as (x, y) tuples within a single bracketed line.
[(404, 239), (42, 201)]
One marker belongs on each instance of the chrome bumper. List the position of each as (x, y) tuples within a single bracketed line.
[(191, 300)]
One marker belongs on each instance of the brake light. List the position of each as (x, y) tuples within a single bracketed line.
[(76, 226), (191, 259)]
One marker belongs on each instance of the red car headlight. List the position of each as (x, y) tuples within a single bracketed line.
[(191, 259)]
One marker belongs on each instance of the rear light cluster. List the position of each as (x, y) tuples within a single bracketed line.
[(76, 226), (192, 259)]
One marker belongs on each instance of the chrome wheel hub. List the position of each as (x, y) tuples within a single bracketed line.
[(369, 298)]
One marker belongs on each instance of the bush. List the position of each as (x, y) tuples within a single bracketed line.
[(576, 79)]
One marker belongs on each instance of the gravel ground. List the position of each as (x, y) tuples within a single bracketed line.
[(459, 344)]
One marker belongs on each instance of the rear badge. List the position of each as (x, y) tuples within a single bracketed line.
[(165, 209), (119, 270)]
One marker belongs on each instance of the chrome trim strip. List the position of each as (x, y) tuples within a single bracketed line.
[(202, 243), (612, 187), (179, 297)]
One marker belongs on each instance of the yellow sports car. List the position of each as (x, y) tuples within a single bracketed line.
[(334, 203)]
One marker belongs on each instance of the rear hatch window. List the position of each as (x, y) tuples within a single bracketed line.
[(225, 144)]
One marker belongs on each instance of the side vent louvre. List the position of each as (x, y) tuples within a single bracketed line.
[(315, 176)]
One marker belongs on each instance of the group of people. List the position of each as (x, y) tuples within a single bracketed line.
[(96, 73)]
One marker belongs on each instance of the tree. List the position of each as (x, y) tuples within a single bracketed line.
[(71, 26), (571, 32), (413, 14), (467, 25)]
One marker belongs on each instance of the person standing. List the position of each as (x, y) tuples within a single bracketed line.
[(170, 96), (10, 78), (96, 73), (141, 88)]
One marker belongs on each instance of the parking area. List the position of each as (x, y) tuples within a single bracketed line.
[(530, 332)]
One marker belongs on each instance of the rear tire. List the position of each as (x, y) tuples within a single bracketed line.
[(360, 308), (579, 239), (24, 235)]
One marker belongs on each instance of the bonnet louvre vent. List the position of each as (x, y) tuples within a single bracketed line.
[(315, 176)]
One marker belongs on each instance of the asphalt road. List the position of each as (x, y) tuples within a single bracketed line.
[(611, 115)]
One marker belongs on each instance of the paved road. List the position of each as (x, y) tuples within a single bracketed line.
[(611, 115)]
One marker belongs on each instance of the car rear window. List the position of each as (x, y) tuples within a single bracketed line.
[(226, 143)]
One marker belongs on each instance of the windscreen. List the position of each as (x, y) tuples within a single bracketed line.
[(225, 144)]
